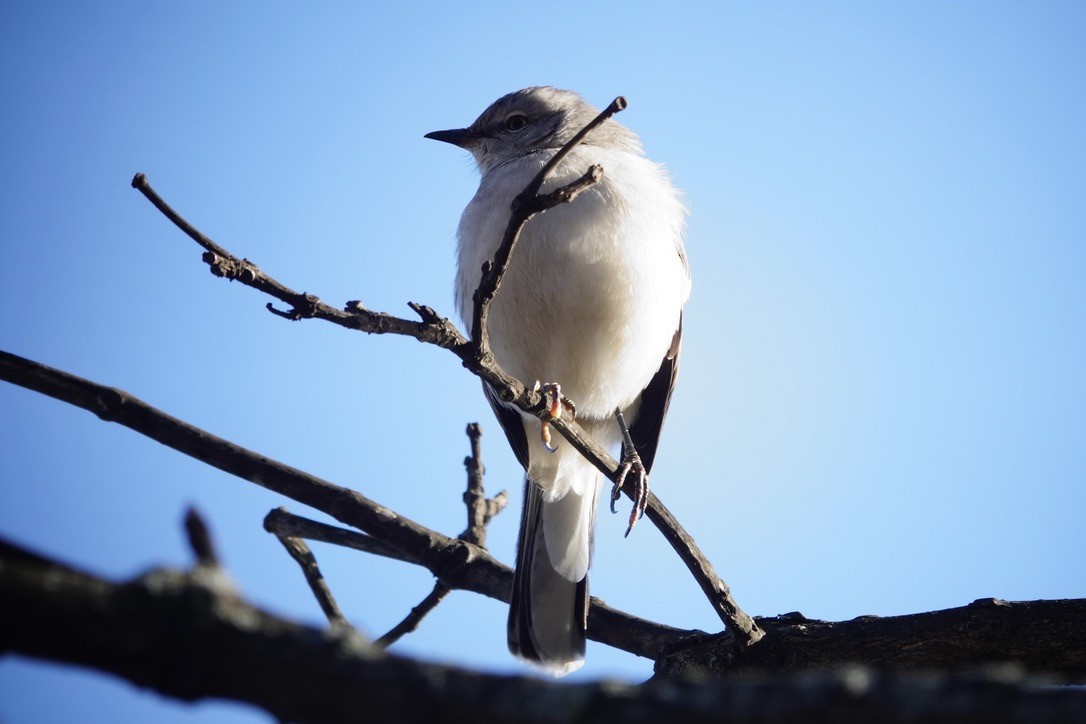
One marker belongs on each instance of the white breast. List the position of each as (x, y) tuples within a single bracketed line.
[(595, 287)]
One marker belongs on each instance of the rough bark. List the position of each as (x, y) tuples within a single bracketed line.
[(188, 635), (1041, 636)]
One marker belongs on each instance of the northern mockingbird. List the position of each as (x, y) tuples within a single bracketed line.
[(592, 300)]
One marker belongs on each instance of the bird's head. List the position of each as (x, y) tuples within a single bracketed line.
[(532, 120)]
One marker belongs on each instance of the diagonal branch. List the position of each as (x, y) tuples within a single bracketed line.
[(414, 618), (305, 559), (433, 329), (456, 563)]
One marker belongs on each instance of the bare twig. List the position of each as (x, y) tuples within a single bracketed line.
[(480, 509), (281, 522), (414, 618), (200, 539), (305, 559), (433, 329), (474, 496), (744, 628)]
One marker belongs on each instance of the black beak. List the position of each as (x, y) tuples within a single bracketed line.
[(461, 137)]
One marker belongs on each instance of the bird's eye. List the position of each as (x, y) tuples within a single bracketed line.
[(515, 122)]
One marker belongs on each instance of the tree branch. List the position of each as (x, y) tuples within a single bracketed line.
[(281, 522), (480, 513), (305, 559), (456, 563), (171, 632), (1042, 636), (480, 509), (414, 618), (432, 330), (200, 539)]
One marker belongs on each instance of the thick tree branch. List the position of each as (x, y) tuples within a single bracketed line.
[(1043, 636), (172, 632)]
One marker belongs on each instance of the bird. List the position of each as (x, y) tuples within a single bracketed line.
[(590, 309)]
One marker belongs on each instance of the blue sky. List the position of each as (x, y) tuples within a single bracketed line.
[(882, 405)]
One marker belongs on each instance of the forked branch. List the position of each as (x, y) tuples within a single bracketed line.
[(480, 512), (456, 563), (305, 559)]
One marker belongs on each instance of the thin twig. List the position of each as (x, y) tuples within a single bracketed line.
[(480, 508), (743, 627), (433, 329), (414, 618), (474, 496), (305, 559), (480, 512), (200, 539), (281, 522)]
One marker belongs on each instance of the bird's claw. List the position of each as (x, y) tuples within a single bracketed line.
[(631, 462), (557, 403)]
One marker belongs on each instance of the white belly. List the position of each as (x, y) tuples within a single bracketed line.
[(594, 289)]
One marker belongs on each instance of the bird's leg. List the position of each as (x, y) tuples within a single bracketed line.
[(558, 402), (631, 462)]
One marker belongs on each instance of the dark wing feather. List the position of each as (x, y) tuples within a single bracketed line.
[(518, 627), (513, 425), (645, 430)]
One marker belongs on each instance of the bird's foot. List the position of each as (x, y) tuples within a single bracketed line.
[(630, 463), (555, 402)]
